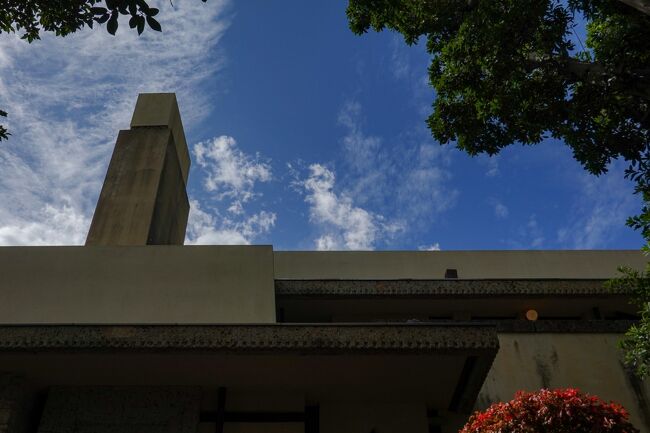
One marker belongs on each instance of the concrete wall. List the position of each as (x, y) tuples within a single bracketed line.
[(143, 200), (286, 427), (274, 399), (589, 362), (161, 109), (349, 416), (148, 284), (341, 265), (369, 417), (124, 410), (18, 405)]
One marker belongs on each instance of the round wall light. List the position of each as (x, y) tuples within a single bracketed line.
[(532, 315)]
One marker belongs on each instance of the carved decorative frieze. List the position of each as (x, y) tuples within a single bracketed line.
[(440, 288), (396, 338)]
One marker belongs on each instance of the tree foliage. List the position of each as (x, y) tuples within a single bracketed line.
[(508, 71), (636, 343), (30, 18), (62, 17), (551, 411)]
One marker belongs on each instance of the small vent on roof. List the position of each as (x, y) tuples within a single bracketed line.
[(451, 273)]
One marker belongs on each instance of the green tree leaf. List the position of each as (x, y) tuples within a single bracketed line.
[(140, 24), (112, 24), (103, 18), (155, 25)]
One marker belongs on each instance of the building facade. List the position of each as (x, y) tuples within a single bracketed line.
[(135, 332)]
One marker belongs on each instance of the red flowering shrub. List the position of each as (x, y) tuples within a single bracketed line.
[(551, 411)]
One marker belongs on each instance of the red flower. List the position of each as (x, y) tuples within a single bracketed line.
[(551, 411)]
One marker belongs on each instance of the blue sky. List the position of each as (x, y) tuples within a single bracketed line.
[(303, 136)]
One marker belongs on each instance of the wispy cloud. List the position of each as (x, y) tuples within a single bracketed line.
[(501, 211), (491, 164), (424, 190), (68, 97), (409, 178), (534, 232), (231, 176), (62, 227), (343, 225), (385, 191), (527, 235), (368, 164), (230, 173), (432, 247), (400, 64), (603, 205), (210, 228), (408, 65)]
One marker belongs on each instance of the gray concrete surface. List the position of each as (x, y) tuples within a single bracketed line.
[(592, 264), (143, 199), (18, 407), (161, 109), (105, 409), (130, 285), (589, 362)]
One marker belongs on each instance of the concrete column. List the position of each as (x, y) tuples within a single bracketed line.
[(144, 200), (17, 405), (93, 409)]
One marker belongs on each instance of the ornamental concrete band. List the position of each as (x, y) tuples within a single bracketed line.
[(135, 332)]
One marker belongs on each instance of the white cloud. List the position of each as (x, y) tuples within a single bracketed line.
[(424, 190), (409, 181), (61, 227), (399, 59), (327, 243), (491, 162), (230, 173), (534, 232), (68, 97), (598, 215), (528, 235), (408, 65), (432, 247), (501, 211), (205, 228), (410, 178), (344, 225), (368, 164)]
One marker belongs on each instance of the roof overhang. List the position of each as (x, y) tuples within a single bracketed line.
[(443, 365), (481, 299)]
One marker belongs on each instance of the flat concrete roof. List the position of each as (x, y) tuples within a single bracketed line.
[(432, 265), (237, 284)]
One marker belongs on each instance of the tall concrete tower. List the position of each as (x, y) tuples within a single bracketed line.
[(144, 199)]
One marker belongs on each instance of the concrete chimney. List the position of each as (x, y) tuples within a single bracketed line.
[(144, 200)]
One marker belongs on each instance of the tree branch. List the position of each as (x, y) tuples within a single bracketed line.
[(594, 71), (640, 5)]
